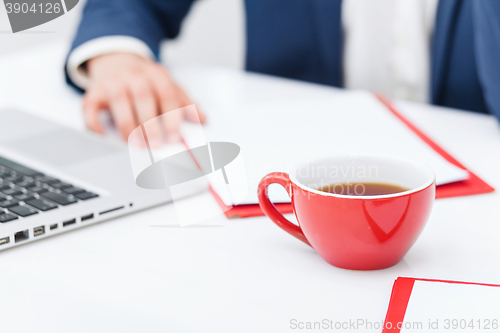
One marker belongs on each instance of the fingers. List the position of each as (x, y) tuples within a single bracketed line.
[(122, 110), (172, 124), (136, 91), (146, 110), (183, 98), (94, 101), (166, 93), (191, 113), (164, 88)]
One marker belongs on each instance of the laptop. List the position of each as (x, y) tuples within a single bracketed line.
[(54, 179)]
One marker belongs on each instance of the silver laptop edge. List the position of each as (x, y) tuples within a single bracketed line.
[(81, 159)]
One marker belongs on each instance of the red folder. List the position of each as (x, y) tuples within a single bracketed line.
[(401, 292), (470, 186)]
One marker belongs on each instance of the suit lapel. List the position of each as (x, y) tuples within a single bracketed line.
[(446, 17)]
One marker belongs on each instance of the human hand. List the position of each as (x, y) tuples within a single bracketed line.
[(135, 90)]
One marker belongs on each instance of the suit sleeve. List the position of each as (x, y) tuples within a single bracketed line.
[(486, 15), (149, 21)]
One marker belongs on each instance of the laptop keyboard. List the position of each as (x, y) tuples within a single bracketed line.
[(26, 192)]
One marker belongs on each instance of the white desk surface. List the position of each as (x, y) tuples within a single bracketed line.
[(140, 273)]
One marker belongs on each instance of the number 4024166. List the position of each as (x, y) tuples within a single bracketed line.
[(47, 8)]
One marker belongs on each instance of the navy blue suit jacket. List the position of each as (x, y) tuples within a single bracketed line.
[(302, 39)]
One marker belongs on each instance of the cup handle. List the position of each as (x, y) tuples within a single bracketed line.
[(270, 210)]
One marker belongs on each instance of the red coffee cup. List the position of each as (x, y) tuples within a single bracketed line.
[(349, 231)]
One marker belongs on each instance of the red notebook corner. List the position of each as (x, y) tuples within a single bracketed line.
[(472, 185), (400, 296)]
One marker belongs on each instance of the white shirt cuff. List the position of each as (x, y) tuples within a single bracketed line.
[(100, 46)]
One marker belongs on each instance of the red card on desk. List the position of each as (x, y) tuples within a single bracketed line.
[(470, 186), (397, 317)]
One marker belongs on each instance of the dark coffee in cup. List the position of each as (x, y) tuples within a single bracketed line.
[(363, 189)]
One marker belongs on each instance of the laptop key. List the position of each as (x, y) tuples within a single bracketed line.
[(73, 190), (8, 203), (42, 205), (12, 191), (24, 197), (23, 211), (46, 179), (4, 174), (4, 187), (37, 189), (25, 183), (19, 168), (13, 179), (60, 185), (6, 217), (58, 198), (86, 195)]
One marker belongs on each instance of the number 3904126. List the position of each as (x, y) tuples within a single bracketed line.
[(48, 8)]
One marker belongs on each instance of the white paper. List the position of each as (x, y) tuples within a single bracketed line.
[(452, 307), (275, 134)]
